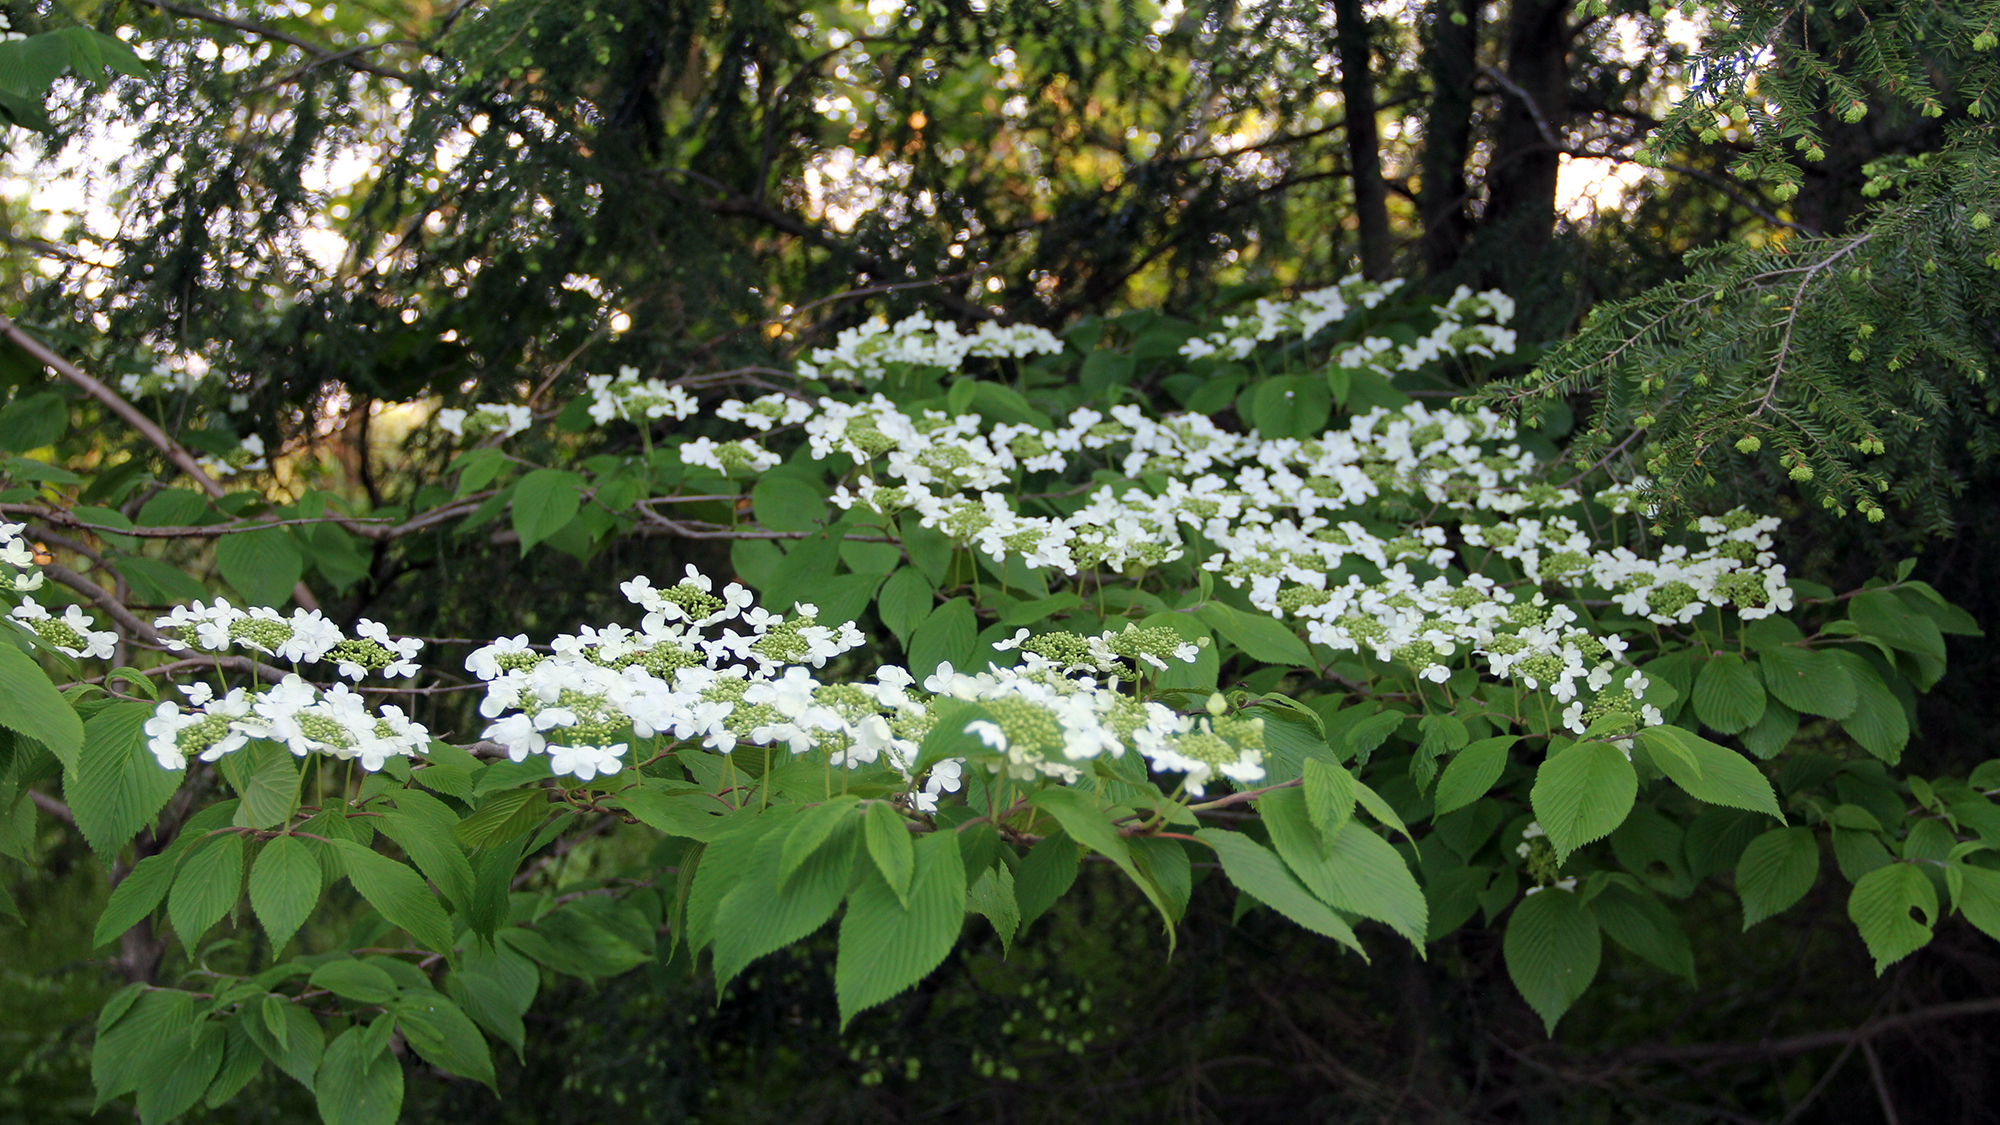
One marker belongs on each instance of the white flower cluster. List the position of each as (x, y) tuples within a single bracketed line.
[(178, 373), (502, 418), (763, 413), (18, 555), (1457, 330), (862, 355), (634, 399), (335, 722), (583, 701), (304, 637), (725, 457), (73, 633)]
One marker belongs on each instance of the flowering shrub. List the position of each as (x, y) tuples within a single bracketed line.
[(1377, 671)]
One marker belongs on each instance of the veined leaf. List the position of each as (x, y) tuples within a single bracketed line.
[(1552, 949), (1472, 772), (208, 883), (889, 846), (1720, 776), (1354, 870), (1776, 870), (398, 893), (1256, 871), (772, 908), (1880, 907), (30, 704), (263, 564), (1262, 638), (358, 1084), (117, 785), (284, 887), (1728, 694), (887, 946), (1807, 681), (1582, 794), (544, 501)]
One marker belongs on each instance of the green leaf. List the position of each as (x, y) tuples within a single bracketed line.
[(887, 946), (769, 910), (1880, 906), (155, 582), (788, 503), (1719, 775), (1776, 870), (570, 942), (905, 601), (1641, 923), (442, 1034), (264, 565), (422, 826), (33, 422), (1088, 825), (356, 1084), (31, 705), (814, 826), (1807, 681), (1356, 871), (1975, 893), (125, 1040), (1047, 872), (175, 507), (1380, 810), (1582, 794), (284, 887), (1262, 638), (1773, 732), (1293, 406), (1253, 869), (1880, 613), (690, 814), (266, 776), (1472, 772), (544, 501), (1728, 694), (297, 1048), (359, 981), (1552, 949), (889, 846), (208, 884), (992, 897), (134, 898), (118, 786), (946, 636), (1329, 794), (496, 986), (1878, 723), (398, 893), (502, 816), (241, 1061), (174, 1073)]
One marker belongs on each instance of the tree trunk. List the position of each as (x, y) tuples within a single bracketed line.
[(1450, 43), (1521, 179), (1364, 149)]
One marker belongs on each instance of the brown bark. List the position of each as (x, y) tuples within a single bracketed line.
[(1521, 179), (1364, 146), (1450, 57)]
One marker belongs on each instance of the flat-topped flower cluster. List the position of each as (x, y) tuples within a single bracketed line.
[(864, 354), (17, 560), (1459, 329), (710, 667)]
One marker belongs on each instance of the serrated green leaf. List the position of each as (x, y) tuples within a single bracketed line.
[(1975, 893), (31, 705), (444, 1036), (176, 1070), (992, 897), (1353, 870), (1262, 638), (545, 500), (1330, 795), (496, 986), (359, 981), (887, 946), (423, 827), (1807, 681), (889, 846), (265, 776), (1880, 907), (296, 1050), (697, 816), (118, 786), (357, 1084), (788, 503), (136, 896), (905, 601), (209, 882), (284, 887), (770, 908), (1254, 870), (1472, 772), (1552, 947), (1720, 776), (1088, 825), (1047, 872), (502, 816), (154, 1015), (1582, 794), (812, 829), (1775, 871), (155, 582), (1728, 694), (398, 893), (1640, 922), (1878, 723), (945, 637), (263, 564), (1880, 613)]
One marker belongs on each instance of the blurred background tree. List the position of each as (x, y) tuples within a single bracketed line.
[(342, 208)]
